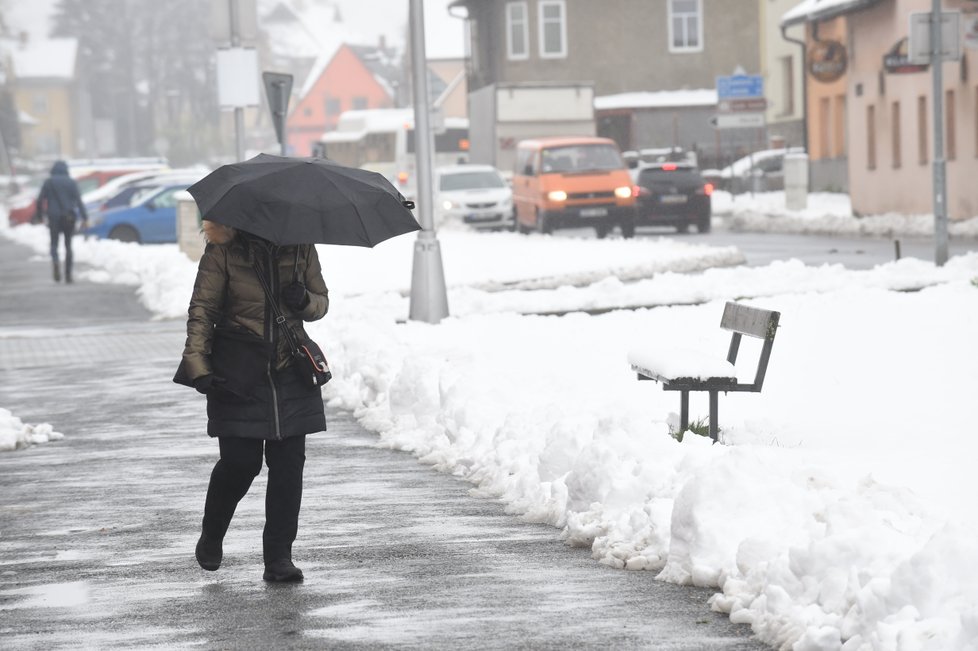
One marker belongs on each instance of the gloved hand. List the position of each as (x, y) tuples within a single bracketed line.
[(207, 383), (295, 296)]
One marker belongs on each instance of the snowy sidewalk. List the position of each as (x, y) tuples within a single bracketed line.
[(97, 530)]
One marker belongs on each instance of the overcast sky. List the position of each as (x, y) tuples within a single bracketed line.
[(367, 20)]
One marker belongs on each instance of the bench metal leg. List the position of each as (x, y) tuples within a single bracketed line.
[(714, 409), (683, 411)]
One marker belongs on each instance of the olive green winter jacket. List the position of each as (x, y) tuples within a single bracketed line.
[(227, 295)]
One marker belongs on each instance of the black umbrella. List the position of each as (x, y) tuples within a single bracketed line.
[(304, 201)]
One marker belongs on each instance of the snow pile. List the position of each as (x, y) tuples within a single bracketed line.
[(14, 434), (827, 213)]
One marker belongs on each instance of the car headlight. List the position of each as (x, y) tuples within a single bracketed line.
[(449, 205), (557, 195), (507, 202), (624, 192)]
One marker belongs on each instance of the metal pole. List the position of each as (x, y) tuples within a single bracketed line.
[(429, 297), (239, 152), (284, 109), (940, 170)]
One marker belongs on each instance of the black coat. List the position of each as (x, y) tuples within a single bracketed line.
[(59, 195), (231, 333)]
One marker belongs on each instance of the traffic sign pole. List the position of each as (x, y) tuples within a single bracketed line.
[(940, 170)]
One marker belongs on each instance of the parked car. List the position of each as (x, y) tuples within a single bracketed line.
[(673, 194), (23, 204), (569, 182), (476, 195), (762, 171), (150, 218)]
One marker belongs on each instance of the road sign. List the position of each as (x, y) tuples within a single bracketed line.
[(920, 47), (738, 121), (278, 88), (749, 105), (740, 86)]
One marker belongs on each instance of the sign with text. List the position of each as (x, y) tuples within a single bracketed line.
[(740, 87), (739, 121), (749, 105)]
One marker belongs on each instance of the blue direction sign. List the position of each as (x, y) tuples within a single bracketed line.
[(740, 87)]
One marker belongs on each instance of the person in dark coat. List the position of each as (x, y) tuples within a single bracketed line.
[(237, 355), (61, 202)]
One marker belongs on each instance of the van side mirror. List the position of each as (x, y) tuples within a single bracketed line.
[(151, 205), (528, 170)]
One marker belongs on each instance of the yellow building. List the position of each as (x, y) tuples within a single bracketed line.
[(43, 83)]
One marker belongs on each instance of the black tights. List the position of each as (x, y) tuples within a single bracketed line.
[(240, 463)]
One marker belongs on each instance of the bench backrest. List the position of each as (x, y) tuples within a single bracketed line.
[(755, 322)]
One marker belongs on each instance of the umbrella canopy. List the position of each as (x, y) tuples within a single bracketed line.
[(304, 201)]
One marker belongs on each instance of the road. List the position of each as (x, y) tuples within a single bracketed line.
[(763, 248)]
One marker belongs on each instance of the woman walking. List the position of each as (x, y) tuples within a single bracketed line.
[(239, 357)]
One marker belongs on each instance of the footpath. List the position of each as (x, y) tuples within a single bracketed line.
[(97, 530)]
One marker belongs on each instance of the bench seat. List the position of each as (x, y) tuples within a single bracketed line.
[(682, 366)]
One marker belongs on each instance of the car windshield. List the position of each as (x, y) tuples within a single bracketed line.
[(143, 194), (581, 158), (471, 181)]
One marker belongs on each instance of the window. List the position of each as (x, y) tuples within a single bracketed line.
[(517, 32), (950, 131), (39, 104), (359, 103), (332, 106), (839, 127), (895, 134), (824, 127), (787, 85), (871, 137), (685, 25), (553, 29), (922, 129)]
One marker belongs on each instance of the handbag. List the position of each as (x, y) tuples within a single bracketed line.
[(308, 358)]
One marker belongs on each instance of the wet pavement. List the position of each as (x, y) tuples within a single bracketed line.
[(97, 530)]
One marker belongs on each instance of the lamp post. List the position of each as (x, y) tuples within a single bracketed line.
[(429, 297)]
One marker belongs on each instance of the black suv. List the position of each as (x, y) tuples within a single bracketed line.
[(673, 194)]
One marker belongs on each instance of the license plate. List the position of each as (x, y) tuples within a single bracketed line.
[(483, 218), (594, 212), (673, 198)]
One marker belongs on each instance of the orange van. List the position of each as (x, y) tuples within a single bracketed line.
[(572, 182)]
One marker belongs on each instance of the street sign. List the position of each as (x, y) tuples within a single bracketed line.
[(749, 105), (278, 89), (920, 46), (237, 83), (739, 121), (740, 86)]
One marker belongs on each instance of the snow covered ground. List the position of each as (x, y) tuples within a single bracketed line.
[(15, 434), (839, 513)]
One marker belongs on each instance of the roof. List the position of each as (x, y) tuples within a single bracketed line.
[(566, 141), (814, 10), (659, 99), (52, 58), (353, 125)]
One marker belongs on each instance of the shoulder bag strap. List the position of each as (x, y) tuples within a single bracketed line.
[(279, 317)]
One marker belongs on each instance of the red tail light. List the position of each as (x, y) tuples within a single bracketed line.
[(669, 167), (639, 191), (402, 178), (708, 189)]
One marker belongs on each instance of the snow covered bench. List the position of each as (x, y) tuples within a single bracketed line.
[(685, 371)]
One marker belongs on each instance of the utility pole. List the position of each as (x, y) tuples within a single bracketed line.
[(940, 166), (429, 297), (239, 149)]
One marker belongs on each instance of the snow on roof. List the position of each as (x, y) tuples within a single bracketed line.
[(658, 99), (810, 10), (353, 125), (52, 58)]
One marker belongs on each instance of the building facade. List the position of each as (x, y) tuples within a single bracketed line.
[(890, 116)]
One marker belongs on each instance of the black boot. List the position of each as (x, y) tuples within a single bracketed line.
[(57, 272), (282, 571), (209, 553)]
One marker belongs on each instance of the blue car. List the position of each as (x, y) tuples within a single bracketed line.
[(150, 218)]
